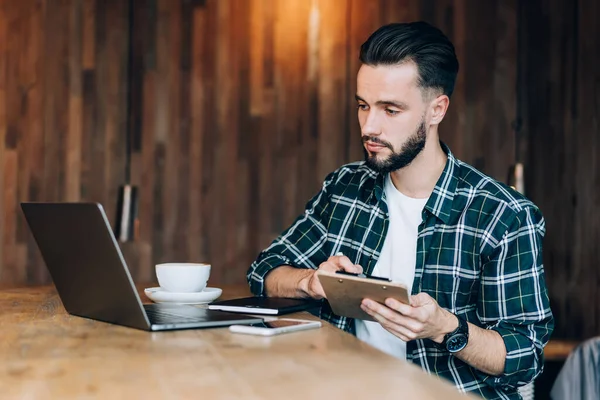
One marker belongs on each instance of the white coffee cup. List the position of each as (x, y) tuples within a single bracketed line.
[(182, 277)]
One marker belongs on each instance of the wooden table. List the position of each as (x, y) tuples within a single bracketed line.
[(46, 353)]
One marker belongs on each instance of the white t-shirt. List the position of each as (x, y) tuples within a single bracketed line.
[(397, 262)]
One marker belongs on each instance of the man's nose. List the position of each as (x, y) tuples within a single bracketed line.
[(371, 127)]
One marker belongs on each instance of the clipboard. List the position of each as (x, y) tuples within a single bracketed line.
[(346, 291)]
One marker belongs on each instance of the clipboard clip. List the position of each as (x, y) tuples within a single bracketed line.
[(363, 276)]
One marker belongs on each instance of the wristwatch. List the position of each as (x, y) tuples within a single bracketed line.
[(457, 340)]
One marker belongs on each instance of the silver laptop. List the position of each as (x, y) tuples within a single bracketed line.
[(92, 279)]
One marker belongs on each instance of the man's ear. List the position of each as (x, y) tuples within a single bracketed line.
[(439, 106)]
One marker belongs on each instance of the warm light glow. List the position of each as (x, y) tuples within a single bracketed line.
[(313, 41)]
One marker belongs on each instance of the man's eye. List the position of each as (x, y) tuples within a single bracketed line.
[(392, 112), (362, 107)]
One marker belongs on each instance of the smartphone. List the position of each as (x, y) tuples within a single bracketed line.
[(275, 326)]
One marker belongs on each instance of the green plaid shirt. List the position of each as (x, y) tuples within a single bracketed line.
[(479, 254)]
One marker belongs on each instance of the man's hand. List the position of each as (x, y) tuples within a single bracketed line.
[(423, 319), (311, 284)]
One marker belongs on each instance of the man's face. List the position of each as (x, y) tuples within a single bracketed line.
[(391, 113)]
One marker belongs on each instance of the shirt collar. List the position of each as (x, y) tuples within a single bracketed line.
[(440, 201)]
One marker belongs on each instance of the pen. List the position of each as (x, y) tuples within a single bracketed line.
[(340, 254)]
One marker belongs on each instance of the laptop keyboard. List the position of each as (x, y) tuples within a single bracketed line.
[(159, 317)]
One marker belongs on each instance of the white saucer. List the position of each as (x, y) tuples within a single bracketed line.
[(159, 295)]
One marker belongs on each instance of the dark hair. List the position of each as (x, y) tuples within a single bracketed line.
[(419, 42)]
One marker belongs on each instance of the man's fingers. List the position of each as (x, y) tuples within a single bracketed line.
[(402, 308), (329, 266), (346, 265), (344, 262), (420, 299), (399, 330), (340, 263), (403, 328), (373, 306), (411, 323)]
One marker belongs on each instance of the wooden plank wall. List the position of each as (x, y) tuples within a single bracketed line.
[(560, 108), (62, 114), (240, 108)]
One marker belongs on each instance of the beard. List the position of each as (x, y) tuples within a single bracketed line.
[(397, 160)]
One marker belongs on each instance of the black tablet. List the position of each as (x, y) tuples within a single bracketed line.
[(265, 305)]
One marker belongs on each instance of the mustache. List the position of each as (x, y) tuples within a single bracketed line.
[(376, 140)]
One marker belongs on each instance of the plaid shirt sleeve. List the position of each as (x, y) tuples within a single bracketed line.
[(301, 245), (513, 299)]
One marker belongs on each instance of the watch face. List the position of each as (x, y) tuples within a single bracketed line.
[(456, 342)]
